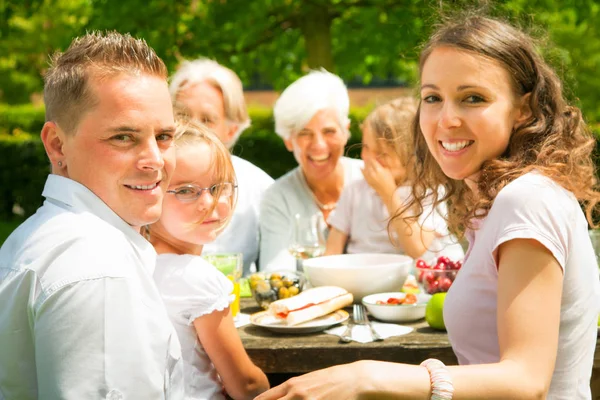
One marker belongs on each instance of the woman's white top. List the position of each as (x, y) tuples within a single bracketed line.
[(191, 287), (288, 196), (242, 233), (362, 215), (530, 207)]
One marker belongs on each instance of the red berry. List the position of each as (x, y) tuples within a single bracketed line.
[(429, 277), (421, 264), (441, 265), (444, 284), (458, 264), (420, 278), (444, 259), (433, 287)]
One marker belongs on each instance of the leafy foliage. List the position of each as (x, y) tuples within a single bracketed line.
[(269, 43)]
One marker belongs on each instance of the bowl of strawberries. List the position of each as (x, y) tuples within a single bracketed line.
[(396, 306), (437, 276)]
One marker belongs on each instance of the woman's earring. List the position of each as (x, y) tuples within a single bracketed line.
[(60, 163)]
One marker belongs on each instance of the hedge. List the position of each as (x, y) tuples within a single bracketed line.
[(24, 165)]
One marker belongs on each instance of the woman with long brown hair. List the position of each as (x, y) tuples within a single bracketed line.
[(515, 159)]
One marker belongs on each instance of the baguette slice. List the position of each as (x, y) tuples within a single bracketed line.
[(311, 304)]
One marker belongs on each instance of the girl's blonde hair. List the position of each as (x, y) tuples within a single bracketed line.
[(554, 140), (391, 124)]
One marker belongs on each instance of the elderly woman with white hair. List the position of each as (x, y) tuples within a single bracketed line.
[(213, 94), (311, 116)]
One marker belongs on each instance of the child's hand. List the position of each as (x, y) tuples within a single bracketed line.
[(379, 178)]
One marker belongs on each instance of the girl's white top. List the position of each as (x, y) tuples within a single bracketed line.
[(191, 287), (362, 215), (530, 207)]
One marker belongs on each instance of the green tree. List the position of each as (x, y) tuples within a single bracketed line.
[(30, 30), (273, 42)]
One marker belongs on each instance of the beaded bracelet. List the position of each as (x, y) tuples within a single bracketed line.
[(441, 382)]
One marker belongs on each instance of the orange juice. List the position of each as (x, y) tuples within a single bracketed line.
[(235, 305)]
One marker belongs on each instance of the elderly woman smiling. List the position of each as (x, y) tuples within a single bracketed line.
[(311, 116)]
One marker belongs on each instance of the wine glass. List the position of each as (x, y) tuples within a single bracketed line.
[(308, 237)]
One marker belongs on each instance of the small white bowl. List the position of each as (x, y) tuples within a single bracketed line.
[(359, 274), (396, 312)]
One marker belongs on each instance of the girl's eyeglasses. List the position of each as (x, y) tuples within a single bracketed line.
[(192, 192)]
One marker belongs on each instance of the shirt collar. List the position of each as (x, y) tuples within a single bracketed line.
[(75, 197)]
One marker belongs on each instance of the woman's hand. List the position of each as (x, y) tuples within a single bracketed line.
[(359, 380), (332, 383)]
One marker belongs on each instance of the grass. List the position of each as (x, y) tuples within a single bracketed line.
[(6, 227)]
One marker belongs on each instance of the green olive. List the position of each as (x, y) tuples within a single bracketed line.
[(284, 293), (293, 290), (287, 282), (263, 287), (276, 283)]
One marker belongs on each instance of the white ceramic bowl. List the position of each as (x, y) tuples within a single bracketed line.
[(359, 274), (396, 312)]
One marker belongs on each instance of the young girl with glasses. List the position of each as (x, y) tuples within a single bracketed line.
[(198, 205)]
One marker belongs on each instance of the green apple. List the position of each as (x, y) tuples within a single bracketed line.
[(434, 313)]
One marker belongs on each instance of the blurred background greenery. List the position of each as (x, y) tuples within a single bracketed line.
[(269, 43)]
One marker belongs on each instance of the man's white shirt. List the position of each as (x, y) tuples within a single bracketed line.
[(80, 316)]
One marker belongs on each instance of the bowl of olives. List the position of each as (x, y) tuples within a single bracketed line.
[(269, 287)]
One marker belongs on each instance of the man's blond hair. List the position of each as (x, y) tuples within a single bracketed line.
[(67, 91)]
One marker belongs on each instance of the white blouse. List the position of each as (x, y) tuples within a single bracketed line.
[(191, 287)]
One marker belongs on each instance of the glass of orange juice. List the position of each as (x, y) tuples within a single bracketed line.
[(231, 265)]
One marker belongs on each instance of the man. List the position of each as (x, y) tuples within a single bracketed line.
[(213, 94), (80, 315)]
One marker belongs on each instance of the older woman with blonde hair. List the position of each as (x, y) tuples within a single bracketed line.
[(213, 95), (311, 116)]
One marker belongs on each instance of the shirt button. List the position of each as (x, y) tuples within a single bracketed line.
[(114, 395)]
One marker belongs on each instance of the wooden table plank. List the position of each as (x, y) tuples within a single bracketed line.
[(287, 355)]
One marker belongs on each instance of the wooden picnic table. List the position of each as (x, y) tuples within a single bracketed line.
[(292, 354)]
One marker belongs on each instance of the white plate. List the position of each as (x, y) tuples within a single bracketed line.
[(268, 321)]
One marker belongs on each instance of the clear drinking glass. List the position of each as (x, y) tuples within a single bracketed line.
[(308, 236), (231, 265)]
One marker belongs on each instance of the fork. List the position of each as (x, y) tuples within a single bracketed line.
[(346, 337), (360, 317)]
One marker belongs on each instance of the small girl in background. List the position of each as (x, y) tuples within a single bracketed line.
[(198, 205), (359, 224)]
